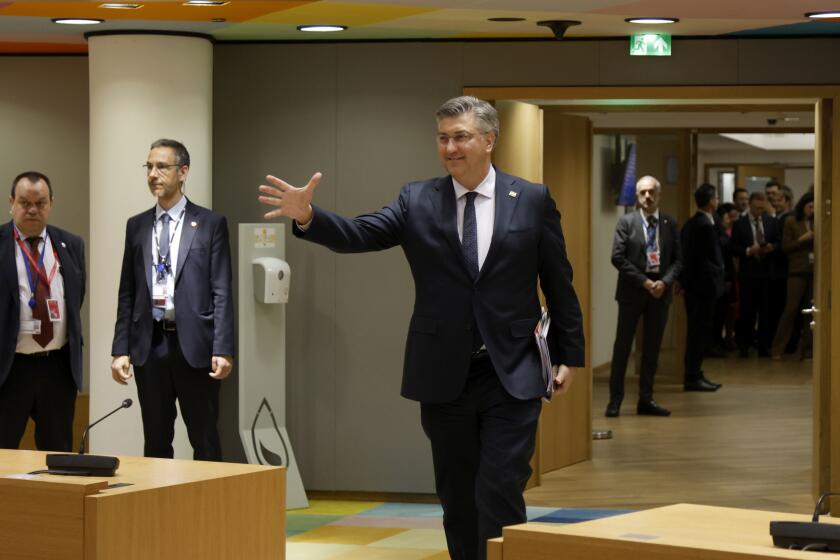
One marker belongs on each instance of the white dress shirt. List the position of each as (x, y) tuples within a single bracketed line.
[(176, 224), (708, 215), (485, 211), (25, 343)]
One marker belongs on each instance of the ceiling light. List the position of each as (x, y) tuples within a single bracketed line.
[(321, 28), (206, 2), (77, 21), (121, 6), (823, 15), (506, 19), (652, 20)]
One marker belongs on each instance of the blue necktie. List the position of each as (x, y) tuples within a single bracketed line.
[(651, 233), (469, 237), (163, 256)]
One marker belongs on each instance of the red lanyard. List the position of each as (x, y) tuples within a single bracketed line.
[(34, 264)]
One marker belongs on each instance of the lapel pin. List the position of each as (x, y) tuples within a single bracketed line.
[(512, 194), (63, 244), (194, 224)]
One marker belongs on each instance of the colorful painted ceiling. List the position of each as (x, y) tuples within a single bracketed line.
[(27, 27)]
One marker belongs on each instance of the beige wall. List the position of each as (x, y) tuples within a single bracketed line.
[(44, 126)]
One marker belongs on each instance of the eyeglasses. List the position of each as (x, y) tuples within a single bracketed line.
[(460, 139), (159, 167)]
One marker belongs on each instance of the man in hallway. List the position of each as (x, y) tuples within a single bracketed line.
[(42, 288), (703, 281), (741, 200), (755, 238), (646, 252), (477, 241), (175, 309)]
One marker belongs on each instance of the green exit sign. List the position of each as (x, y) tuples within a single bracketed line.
[(650, 44)]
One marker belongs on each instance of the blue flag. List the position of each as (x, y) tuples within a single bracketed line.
[(627, 194)]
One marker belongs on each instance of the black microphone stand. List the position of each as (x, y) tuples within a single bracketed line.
[(79, 464)]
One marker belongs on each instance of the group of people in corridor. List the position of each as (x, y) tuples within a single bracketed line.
[(744, 268)]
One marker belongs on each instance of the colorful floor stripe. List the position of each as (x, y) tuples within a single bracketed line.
[(344, 530)]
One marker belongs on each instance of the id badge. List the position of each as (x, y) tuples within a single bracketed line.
[(652, 260), (54, 310), (31, 327), (159, 296)]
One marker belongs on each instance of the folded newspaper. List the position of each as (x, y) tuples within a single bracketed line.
[(540, 334)]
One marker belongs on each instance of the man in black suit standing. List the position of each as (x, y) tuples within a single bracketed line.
[(175, 310), (703, 281), (755, 239), (42, 288), (477, 241), (646, 252)]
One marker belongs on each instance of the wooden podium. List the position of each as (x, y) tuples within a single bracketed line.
[(677, 532), (153, 508)]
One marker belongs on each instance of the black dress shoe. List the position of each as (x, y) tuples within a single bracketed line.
[(710, 382), (612, 410), (700, 385), (650, 408)]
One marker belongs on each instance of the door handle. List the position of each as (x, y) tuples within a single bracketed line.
[(812, 311)]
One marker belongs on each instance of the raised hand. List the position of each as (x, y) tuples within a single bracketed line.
[(293, 202)]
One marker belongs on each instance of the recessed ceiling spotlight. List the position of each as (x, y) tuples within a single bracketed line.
[(77, 21), (506, 19), (321, 28), (652, 20), (120, 6), (823, 15), (206, 2), (218, 20)]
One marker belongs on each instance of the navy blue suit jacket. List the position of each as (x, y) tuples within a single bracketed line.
[(203, 294), (527, 244), (742, 238), (71, 257), (703, 266)]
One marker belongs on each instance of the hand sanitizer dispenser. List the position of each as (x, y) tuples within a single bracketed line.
[(271, 280)]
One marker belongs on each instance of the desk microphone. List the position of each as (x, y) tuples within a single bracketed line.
[(807, 535), (86, 465)]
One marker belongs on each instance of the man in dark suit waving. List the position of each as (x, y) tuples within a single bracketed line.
[(477, 241), (175, 310), (42, 287), (646, 252), (703, 280)]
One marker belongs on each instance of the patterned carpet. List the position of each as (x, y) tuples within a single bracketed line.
[(343, 530)]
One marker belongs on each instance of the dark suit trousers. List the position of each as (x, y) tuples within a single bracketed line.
[(43, 388), (755, 305), (481, 447), (165, 377), (654, 313), (700, 314)]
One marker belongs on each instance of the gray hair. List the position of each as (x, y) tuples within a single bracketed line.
[(486, 117), (649, 178), (182, 156)]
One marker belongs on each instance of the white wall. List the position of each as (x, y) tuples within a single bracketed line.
[(605, 215)]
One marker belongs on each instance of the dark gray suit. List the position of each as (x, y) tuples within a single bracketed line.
[(634, 301)]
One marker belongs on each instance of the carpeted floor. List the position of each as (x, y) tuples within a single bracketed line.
[(343, 530)]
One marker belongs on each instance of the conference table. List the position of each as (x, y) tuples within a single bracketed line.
[(153, 508), (675, 532)]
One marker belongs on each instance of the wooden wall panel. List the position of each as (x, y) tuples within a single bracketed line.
[(566, 423)]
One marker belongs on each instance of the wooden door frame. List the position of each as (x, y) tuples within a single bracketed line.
[(826, 380)]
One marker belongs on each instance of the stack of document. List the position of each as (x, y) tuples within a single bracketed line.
[(540, 334)]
